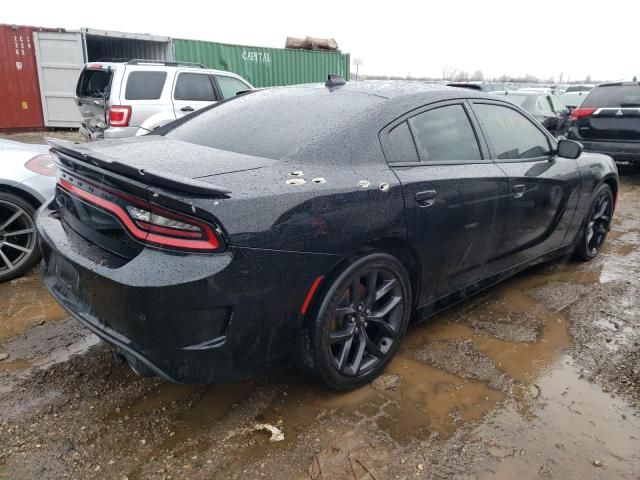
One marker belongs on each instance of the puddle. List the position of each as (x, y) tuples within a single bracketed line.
[(24, 303), (577, 431)]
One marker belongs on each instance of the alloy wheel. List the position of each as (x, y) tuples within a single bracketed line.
[(599, 222), (366, 321), (17, 237)]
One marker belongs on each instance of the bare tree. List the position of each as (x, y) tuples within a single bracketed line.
[(478, 75), (448, 72), (357, 62), (462, 76)]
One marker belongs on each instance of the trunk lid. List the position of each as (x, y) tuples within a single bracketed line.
[(99, 183)]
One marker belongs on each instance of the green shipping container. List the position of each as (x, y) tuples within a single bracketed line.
[(264, 67)]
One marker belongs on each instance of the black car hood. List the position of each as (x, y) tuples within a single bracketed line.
[(172, 157)]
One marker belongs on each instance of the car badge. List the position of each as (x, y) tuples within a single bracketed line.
[(619, 113)]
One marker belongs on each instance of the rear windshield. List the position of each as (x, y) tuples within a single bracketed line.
[(519, 100), (93, 83), (271, 123), (613, 96), (579, 88)]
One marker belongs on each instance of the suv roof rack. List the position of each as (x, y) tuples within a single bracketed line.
[(142, 61)]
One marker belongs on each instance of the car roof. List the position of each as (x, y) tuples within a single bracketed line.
[(526, 93), (391, 89), (155, 65)]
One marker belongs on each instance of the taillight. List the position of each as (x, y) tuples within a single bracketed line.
[(582, 112), (119, 115), (42, 164), (151, 224)]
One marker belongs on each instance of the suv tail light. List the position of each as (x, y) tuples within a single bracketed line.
[(151, 224), (582, 112), (119, 115)]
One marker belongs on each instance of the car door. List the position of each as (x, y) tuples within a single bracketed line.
[(192, 91), (455, 196), (543, 188)]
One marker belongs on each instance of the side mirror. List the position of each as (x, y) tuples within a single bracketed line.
[(569, 149)]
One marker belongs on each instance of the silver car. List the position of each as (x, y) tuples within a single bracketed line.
[(27, 179), (126, 99)]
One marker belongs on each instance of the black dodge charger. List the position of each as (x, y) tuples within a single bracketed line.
[(310, 224)]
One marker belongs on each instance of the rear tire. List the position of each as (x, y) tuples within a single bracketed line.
[(360, 319), (19, 249), (596, 225)]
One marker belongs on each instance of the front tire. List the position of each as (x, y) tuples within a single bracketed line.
[(359, 321), (596, 225), (19, 249)]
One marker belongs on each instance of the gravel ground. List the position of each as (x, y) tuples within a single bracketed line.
[(537, 378)]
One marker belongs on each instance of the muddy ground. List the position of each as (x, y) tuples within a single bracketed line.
[(537, 378)]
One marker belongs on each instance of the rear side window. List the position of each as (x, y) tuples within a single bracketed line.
[(511, 134), (620, 96), (230, 86), (445, 134), (145, 85), (194, 86), (93, 83), (402, 147)]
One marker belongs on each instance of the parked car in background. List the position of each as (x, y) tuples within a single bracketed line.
[(127, 99), (481, 86), (583, 87), (608, 121), (27, 180), (548, 109), (241, 237), (536, 89), (573, 99)]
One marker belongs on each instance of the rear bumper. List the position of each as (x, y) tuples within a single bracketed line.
[(620, 151), (189, 318), (111, 132)]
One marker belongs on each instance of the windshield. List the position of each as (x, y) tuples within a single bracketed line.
[(272, 123), (579, 88), (614, 96), (93, 83)]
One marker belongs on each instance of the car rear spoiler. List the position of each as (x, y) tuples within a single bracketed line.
[(178, 183)]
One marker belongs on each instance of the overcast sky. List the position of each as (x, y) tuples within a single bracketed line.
[(544, 38)]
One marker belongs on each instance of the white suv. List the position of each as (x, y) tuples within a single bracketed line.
[(125, 99)]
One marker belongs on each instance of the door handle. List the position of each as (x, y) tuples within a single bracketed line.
[(426, 198), (186, 109), (518, 191)]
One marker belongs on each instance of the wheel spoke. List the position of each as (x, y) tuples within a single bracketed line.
[(11, 219), (6, 260), (20, 232), (354, 367), (341, 336), (354, 291), (387, 328), (17, 247), (386, 309), (590, 233), (346, 310), (372, 347), (385, 288), (372, 279), (344, 354)]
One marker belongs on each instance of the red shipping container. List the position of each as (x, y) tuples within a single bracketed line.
[(20, 102)]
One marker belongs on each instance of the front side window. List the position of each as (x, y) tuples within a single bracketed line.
[(231, 86), (145, 85), (445, 134), (196, 87), (512, 135)]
